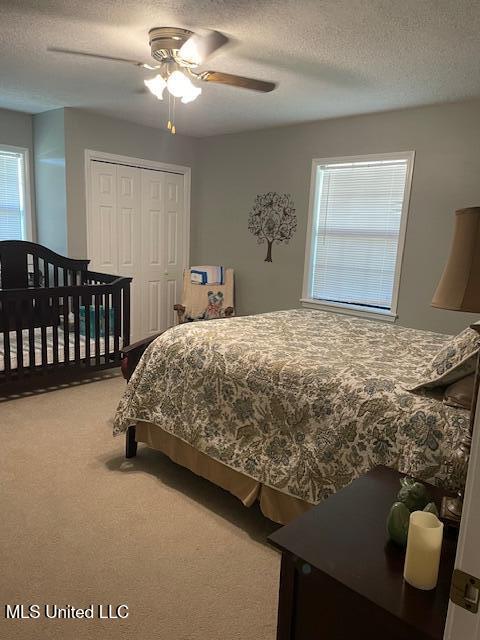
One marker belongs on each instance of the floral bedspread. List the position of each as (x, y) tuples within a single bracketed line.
[(303, 401)]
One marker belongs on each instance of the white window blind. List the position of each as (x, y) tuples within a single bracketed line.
[(12, 195), (357, 224)]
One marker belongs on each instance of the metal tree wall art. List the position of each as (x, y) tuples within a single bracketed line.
[(272, 219)]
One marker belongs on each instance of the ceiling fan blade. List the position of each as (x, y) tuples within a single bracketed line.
[(237, 81), (88, 54), (198, 48)]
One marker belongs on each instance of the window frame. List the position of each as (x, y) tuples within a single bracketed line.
[(340, 307), (25, 152)]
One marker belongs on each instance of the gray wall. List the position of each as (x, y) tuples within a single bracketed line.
[(16, 130), (229, 171), (50, 181), (235, 168), (86, 130)]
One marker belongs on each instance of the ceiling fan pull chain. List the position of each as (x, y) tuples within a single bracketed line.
[(169, 123), (174, 131)]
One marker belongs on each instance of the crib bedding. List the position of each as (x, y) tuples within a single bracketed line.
[(50, 347), (302, 401)]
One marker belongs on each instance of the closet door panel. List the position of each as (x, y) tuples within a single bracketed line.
[(174, 222), (126, 252), (155, 306), (129, 239), (102, 225), (174, 225), (153, 235), (129, 200), (172, 293), (153, 258), (171, 238)]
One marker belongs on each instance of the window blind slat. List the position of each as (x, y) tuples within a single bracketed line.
[(355, 239), (12, 198)]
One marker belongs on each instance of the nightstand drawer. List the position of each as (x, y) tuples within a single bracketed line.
[(325, 610)]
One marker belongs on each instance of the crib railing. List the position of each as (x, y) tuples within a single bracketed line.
[(83, 323), (27, 264)]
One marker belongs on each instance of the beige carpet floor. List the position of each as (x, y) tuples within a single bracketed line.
[(82, 525)]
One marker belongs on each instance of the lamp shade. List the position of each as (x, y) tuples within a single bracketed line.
[(459, 286)]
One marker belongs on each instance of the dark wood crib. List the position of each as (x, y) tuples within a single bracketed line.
[(56, 314)]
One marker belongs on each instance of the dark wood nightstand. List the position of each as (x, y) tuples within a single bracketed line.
[(341, 579)]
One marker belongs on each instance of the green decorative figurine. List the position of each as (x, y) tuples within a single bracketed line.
[(411, 497), (413, 494)]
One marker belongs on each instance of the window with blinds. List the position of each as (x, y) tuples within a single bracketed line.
[(358, 224), (13, 218)]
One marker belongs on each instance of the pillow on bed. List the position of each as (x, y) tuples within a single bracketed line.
[(457, 359), (460, 393)]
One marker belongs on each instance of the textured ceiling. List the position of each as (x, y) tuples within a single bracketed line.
[(330, 57)]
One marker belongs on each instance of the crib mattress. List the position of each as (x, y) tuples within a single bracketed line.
[(50, 347)]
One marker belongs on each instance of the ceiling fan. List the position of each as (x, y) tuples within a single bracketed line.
[(177, 54)]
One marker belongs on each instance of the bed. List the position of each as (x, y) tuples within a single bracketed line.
[(56, 314), (290, 406)]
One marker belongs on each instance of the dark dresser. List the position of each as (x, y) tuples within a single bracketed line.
[(341, 579)]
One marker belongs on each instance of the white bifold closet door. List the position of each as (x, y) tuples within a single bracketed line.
[(136, 228)]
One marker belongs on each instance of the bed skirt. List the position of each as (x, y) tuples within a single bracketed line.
[(275, 505)]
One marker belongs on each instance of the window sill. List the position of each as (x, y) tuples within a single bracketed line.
[(349, 309)]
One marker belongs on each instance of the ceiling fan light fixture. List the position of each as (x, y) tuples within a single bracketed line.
[(178, 84), (156, 85), (192, 94)]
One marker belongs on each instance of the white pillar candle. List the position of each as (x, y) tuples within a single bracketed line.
[(424, 544)]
